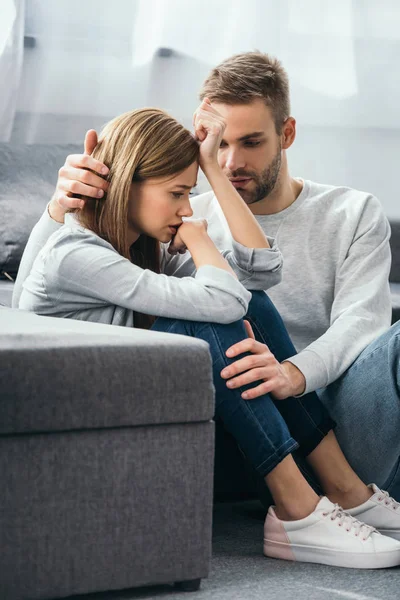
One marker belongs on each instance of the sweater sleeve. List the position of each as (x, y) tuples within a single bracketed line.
[(37, 239), (361, 307), (81, 271), (256, 268)]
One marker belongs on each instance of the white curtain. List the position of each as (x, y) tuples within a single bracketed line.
[(314, 38), (94, 59), (11, 51)]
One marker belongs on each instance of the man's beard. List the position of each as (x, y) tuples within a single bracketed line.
[(264, 182)]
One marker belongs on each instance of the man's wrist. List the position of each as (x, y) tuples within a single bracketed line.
[(55, 211), (296, 377)]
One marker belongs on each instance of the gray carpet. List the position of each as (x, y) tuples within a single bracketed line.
[(240, 571)]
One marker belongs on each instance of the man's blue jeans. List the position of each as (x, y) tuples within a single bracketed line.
[(266, 430), (365, 403)]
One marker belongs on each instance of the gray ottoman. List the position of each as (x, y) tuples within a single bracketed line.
[(106, 458)]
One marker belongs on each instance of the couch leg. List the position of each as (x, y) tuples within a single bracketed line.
[(188, 586)]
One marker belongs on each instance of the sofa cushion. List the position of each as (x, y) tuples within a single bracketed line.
[(395, 246), (61, 374), (28, 174), (395, 294), (6, 290)]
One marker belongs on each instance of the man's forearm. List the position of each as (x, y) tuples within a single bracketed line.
[(242, 224), (204, 252)]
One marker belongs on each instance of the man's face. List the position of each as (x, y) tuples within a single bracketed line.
[(251, 152)]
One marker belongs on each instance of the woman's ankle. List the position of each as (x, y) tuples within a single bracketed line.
[(297, 509), (350, 498), (294, 498)]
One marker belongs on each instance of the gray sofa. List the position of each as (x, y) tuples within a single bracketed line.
[(106, 458)]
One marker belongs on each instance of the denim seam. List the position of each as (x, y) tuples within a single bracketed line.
[(254, 322), (268, 465)]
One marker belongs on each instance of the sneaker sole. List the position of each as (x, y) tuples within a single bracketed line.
[(325, 556)]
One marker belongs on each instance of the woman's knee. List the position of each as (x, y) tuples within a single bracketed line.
[(260, 303)]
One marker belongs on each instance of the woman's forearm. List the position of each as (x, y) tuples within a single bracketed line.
[(242, 224), (204, 252)]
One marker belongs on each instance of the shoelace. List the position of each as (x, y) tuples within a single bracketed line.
[(388, 500), (349, 522)]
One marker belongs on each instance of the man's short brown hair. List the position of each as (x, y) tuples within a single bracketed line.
[(243, 78)]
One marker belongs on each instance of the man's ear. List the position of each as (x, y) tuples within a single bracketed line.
[(288, 133)]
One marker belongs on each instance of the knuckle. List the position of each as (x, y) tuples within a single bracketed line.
[(85, 160), (253, 362), (86, 177), (74, 187), (266, 386), (63, 201), (252, 344)]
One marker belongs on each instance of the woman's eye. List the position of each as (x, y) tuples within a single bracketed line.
[(177, 195)]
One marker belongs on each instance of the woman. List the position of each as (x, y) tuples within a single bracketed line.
[(118, 261)]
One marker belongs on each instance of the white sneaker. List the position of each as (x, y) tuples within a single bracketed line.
[(381, 511), (329, 536)]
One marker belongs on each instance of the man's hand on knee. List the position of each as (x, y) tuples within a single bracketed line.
[(279, 379)]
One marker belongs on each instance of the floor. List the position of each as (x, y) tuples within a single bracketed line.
[(239, 571)]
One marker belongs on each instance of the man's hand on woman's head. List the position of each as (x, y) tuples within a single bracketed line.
[(77, 181), (209, 127), (281, 380)]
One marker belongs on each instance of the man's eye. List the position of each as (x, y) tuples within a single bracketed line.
[(222, 144), (251, 144)]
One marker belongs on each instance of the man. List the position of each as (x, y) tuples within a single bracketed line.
[(334, 296)]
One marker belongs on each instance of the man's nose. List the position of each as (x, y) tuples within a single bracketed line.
[(234, 160)]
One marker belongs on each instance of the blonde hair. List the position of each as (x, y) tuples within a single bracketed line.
[(245, 77), (135, 146)]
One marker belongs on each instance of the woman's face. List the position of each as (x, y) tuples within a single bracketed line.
[(156, 206)]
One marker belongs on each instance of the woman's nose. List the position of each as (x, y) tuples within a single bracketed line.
[(186, 210)]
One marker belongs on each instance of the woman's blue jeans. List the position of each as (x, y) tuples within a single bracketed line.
[(266, 430)]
